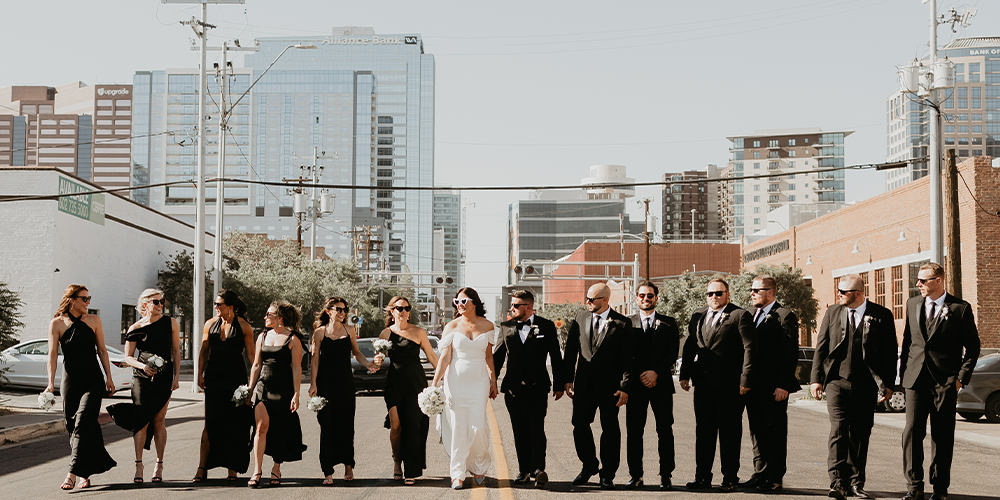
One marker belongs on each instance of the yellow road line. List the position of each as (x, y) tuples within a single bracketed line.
[(503, 478)]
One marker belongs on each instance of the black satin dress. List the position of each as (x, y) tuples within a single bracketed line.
[(335, 382), (229, 426), (82, 388), (275, 391), (404, 381), (150, 393)]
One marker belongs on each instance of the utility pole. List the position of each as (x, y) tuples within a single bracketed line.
[(934, 148), (645, 233), (953, 239), (692, 223), (315, 213)]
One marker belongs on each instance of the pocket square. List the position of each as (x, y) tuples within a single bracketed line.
[(539, 336)]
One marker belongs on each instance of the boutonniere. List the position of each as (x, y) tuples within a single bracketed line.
[(656, 325), (534, 330), (944, 313), (725, 316), (869, 320)]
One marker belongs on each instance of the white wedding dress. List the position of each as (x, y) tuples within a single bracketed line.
[(462, 424)]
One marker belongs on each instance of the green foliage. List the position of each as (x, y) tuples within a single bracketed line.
[(261, 271), (562, 315), (10, 316), (793, 291), (177, 283), (682, 296)]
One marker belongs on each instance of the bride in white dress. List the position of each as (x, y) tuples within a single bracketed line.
[(466, 367)]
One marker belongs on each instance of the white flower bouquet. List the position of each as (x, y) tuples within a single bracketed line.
[(46, 400), (381, 347), (156, 363), (431, 401), (316, 403), (241, 394)]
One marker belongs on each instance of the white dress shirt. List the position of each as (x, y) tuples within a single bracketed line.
[(523, 332)]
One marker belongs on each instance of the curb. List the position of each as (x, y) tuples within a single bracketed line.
[(42, 429)]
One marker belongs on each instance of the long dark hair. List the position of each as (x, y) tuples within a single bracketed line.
[(323, 317), (68, 295), (389, 321), (474, 297), (290, 315), (233, 300)]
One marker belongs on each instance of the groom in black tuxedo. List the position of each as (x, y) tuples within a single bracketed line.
[(718, 360), (526, 341), (657, 342), (598, 371), (940, 350)]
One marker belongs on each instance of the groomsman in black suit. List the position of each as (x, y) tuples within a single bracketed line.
[(767, 405), (598, 374), (657, 343), (855, 359), (933, 367), (724, 341), (526, 340)]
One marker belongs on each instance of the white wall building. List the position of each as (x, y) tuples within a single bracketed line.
[(113, 246)]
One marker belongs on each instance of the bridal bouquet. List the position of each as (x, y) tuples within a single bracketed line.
[(156, 363), (381, 347), (241, 394), (46, 400), (316, 403), (431, 401)]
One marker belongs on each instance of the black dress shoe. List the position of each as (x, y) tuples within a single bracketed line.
[(753, 482), (837, 492), (521, 478), (700, 484), (541, 479), (607, 483), (939, 496), (768, 487), (665, 484), (634, 482), (914, 495), (859, 492), (583, 477), (727, 486)]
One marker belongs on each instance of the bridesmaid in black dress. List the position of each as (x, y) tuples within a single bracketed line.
[(275, 381), (153, 335), (226, 440), (332, 378), (404, 381), (82, 340)]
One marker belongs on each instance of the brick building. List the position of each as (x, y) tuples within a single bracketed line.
[(680, 199), (886, 239)]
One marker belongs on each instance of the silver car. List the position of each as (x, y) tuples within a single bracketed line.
[(981, 396), (27, 363)]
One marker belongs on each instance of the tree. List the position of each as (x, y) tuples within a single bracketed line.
[(680, 297), (793, 291), (10, 322), (177, 283), (561, 315)]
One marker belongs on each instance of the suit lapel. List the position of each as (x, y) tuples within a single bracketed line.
[(587, 330), (936, 321), (605, 326)]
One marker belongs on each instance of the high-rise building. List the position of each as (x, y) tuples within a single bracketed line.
[(447, 219), (680, 199), (365, 101), (744, 204), (970, 121), (552, 224), (81, 129)]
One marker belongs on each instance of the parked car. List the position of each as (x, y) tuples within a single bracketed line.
[(803, 367), (363, 380), (28, 366), (982, 394), (428, 367)]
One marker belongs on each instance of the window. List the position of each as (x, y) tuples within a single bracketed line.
[(897, 292), (791, 142), (773, 143), (791, 197), (756, 221), (756, 165), (756, 154), (880, 287), (756, 199), (756, 210), (791, 153), (791, 186), (756, 144), (772, 154), (756, 187), (864, 277)]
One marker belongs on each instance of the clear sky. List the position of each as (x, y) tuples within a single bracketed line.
[(534, 92)]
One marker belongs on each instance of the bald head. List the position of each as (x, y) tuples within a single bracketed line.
[(851, 291), (598, 298)]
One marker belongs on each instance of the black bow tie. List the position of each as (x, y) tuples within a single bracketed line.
[(521, 324)]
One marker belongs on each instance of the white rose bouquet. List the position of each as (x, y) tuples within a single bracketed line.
[(431, 401), (316, 403), (381, 347), (156, 363), (46, 400), (241, 394)]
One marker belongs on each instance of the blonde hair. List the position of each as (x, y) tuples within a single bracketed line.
[(144, 299)]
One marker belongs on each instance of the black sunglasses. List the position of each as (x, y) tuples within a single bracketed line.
[(219, 304), (758, 290), (516, 306), (717, 293), (845, 292), (646, 295), (157, 302), (403, 308), (591, 300), (339, 309), (923, 281), (86, 300)]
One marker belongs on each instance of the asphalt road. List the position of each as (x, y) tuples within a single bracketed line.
[(35, 469)]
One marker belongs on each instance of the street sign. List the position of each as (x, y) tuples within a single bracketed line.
[(85, 206)]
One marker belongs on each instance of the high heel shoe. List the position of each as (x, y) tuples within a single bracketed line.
[(158, 472), (199, 475), (456, 484), (479, 480), (139, 469)]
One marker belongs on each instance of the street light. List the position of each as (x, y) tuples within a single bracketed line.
[(220, 198)]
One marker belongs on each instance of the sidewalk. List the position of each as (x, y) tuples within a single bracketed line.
[(21, 420)]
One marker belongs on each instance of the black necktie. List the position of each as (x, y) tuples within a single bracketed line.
[(757, 316), (930, 317), (594, 330)]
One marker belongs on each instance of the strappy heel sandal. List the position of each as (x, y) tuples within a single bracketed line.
[(275, 479), (397, 476), (138, 475), (68, 484), (84, 482), (157, 472), (232, 477), (197, 478), (254, 481), (410, 481)]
